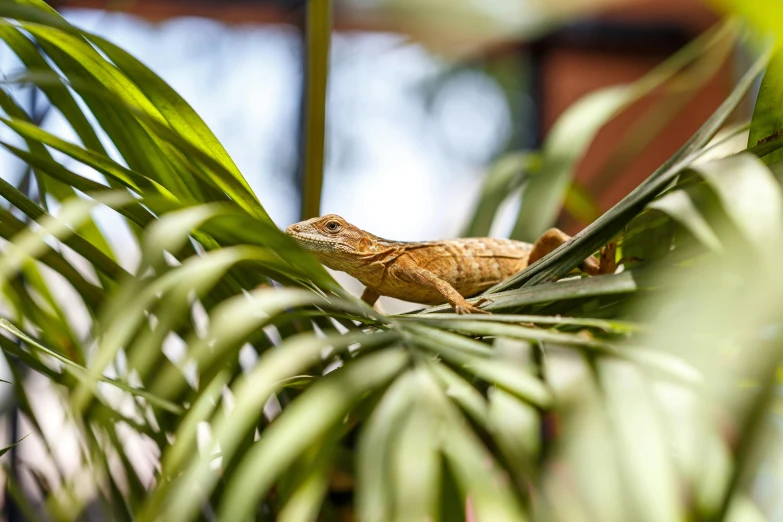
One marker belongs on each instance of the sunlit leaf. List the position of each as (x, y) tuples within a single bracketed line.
[(373, 473), (679, 206), (315, 412), (749, 193), (5, 450), (505, 177), (318, 40), (767, 122)]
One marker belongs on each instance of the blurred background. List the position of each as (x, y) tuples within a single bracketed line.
[(421, 99), (423, 96)]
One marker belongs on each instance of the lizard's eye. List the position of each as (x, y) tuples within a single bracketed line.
[(333, 226)]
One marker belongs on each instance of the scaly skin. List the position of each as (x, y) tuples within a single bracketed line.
[(428, 272)]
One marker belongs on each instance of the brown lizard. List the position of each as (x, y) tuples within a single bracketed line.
[(427, 272)]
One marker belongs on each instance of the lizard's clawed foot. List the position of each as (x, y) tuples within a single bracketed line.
[(483, 300), (468, 308), (608, 263)]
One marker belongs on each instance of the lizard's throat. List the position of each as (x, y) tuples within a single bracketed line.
[(338, 260)]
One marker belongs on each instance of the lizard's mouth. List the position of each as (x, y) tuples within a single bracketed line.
[(316, 242), (299, 237)]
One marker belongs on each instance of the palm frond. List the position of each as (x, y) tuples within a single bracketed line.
[(261, 386)]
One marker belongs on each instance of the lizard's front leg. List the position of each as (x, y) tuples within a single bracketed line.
[(370, 297), (407, 270)]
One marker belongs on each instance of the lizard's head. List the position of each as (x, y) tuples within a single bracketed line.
[(334, 241)]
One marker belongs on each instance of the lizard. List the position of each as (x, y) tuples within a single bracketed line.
[(425, 272)]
